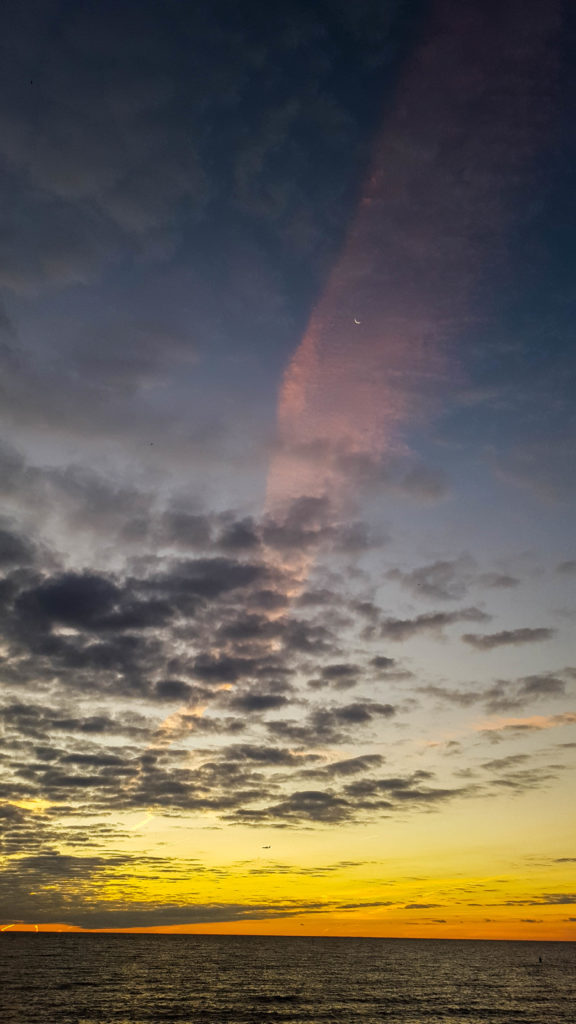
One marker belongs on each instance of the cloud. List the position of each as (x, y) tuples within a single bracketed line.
[(354, 765), (315, 806), (516, 727), (510, 777), (503, 763), (542, 686), (450, 579), (381, 661), (441, 580), (258, 702), (178, 690), (547, 899), (505, 694), (340, 675), (330, 724), (512, 637), (432, 622), (52, 887), (522, 692), (421, 906), (461, 698), (274, 756), (185, 530), (15, 550), (498, 580), (402, 791), (39, 721)]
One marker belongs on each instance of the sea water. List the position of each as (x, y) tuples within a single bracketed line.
[(209, 979)]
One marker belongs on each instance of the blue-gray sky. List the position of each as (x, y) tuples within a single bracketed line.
[(286, 455)]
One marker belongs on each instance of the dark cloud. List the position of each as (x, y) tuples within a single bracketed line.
[(185, 530), (15, 550), (432, 622), (339, 671), (504, 695), (266, 755), (116, 632), (315, 598), (304, 637), (498, 580), (82, 600), (401, 791), (450, 580), (240, 535), (38, 721), (510, 776), (208, 578), (547, 899), (85, 501), (355, 765), (269, 601), (461, 698), (512, 637), (315, 806), (542, 686), (330, 725), (341, 676), (258, 702), (360, 906), (178, 690), (442, 580), (49, 886), (381, 661)]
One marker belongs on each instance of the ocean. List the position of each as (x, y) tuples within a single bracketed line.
[(209, 979)]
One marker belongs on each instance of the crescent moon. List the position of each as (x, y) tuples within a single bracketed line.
[(357, 321)]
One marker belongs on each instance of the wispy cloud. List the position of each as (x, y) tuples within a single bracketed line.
[(509, 637)]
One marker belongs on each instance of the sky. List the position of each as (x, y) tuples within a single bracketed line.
[(287, 560)]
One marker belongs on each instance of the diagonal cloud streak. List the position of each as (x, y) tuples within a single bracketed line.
[(431, 220)]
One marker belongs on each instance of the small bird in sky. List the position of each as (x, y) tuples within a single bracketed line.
[(266, 847)]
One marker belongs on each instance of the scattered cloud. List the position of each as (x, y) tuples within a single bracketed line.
[(501, 729), (432, 622), (508, 637)]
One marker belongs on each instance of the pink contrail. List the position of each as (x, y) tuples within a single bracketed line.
[(453, 153)]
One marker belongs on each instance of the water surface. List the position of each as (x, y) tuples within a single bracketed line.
[(209, 979)]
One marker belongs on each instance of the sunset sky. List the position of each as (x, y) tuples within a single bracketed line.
[(287, 433)]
